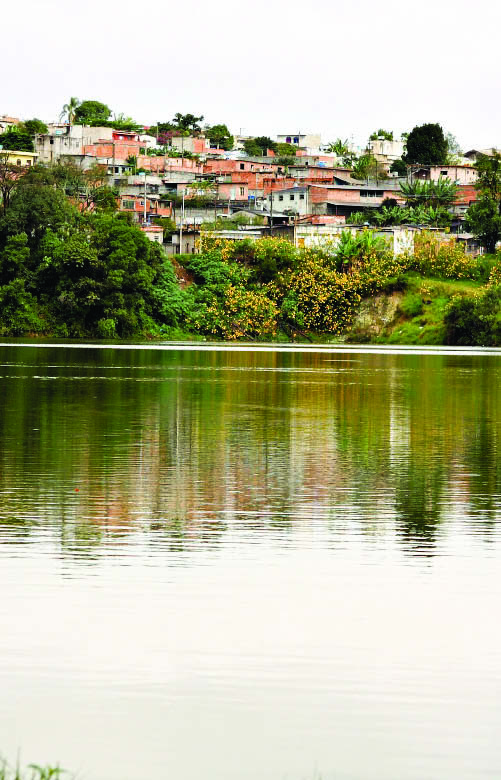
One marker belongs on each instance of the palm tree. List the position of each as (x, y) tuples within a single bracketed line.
[(69, 109)]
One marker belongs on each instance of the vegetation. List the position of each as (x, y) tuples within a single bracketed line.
[(91, 112), (33, 126), (220, 135), (442, 192), (386, 134), (71, 266), (258, 147), (32, 772), (484, 216), (17, 139), (426, 145)]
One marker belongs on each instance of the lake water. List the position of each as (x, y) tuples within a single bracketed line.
[(251, 564)]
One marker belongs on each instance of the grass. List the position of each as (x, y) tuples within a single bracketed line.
[(32, 772), (420, 316)]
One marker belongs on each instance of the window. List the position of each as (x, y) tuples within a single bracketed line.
[(291, 197), (301, 196), (128, 204), (296, 139), (370, 194), (288, 139), (242, 191), (443, 173), (28, 162), (18, 162), (51, 141), (280, 197), (242, 166)]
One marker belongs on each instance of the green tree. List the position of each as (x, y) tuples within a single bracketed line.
[(17, 140), (33, 126), (442, 192), (386, 134), (258, 147), (483, 217), (9, 179), (220, 135), (69, 109), (339, 147), (285, 150), (399, 167), (454, 151), (91, 112), (189, 122), (426, 145)]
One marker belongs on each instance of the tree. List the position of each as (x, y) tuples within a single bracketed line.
[(286, 150), (339, 147), (367, 167), (454, 151), (258, 147), (426, 145), (430, 193), (220, 135), (127, 123), (92, 112), (386, 134), (69, 109), (483, 217), (34, 126), (399, 167), (9, 179), (188, 122), (17, 140)]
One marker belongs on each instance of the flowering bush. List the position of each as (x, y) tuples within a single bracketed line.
[(446, 259)]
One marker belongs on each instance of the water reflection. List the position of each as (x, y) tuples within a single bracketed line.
[(183, 448)]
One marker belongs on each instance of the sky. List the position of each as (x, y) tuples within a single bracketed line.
[(263, 68)]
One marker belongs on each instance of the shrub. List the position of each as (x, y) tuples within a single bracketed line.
[(411, 305), (443, 259), (474, 320)]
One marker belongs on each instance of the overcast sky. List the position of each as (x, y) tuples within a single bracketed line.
[(338, 68)]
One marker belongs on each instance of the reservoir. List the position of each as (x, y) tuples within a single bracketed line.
[(251, 563)]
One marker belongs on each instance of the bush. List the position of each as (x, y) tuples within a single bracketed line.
[(474, 320), (442, 259)]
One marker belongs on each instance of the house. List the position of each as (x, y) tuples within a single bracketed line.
[(345, 200), (459, 174), (19, 159), (293, 200), (385, 151), (64, 139), (301, 140)]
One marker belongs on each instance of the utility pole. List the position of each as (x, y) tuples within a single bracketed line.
[(271, 213), (181, 229)]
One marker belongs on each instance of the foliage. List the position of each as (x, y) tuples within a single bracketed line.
[(126, 123), (475, 320), (69, 109), (339, 147), (220, 135), (187, 122), (411, 305), (426, 145), (17, 140), (33, 126), (91, 112), (388, 215), (483, 217), (454, 151), (386, 134), (10, 176), (366, 167), (285, 150), (442, 192), (399, 167), (443, 259), (258, 147)]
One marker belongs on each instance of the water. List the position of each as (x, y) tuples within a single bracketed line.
[(251, 564)]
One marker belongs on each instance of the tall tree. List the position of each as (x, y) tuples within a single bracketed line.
[(69, 109), (33, 126), (16, 140), (188, 122), (483, 217), (9, 179), (426, 145), (258, 147), (92, 112), (220, 135)]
